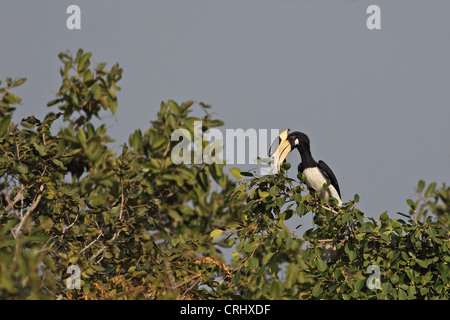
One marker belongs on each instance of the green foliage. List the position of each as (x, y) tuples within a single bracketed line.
[(141, 227), (136, 224), (332, 260)]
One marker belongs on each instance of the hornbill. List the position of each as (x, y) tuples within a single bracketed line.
[(316, 173)]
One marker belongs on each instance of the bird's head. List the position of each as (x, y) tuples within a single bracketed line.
[(285, 143)]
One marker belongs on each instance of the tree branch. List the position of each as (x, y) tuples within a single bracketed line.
[(37, 199)]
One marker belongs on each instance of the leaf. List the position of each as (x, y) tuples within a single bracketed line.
[(20, 168), (112, 104), (317, 290), (263, 194), (236, 172), (274, 290), (321, 265), (233, 225), (81, 135), (300, 210), (41, 149), (359, 284), (420, 186), (394, 278), (174, 107), (402, 294), (422, 263), (350, 252), (430, 189), (252, 263), (274, 190), (249, 247), (158, 142), (174, 214), (19, 82), (4, 123), (214, 123), (411, 204), (59, 163), (135, 140), (267, 257), (216, 233)]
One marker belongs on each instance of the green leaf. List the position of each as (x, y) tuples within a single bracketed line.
[(216, 233), (359, 284), (40, 148), (214, 123), (394, 278), (112, 104), (430, 189), (249, 247), (252, 263), (422, 263), (274, 190), (321, 265), (81, 135), (411, 204), (300, 210), (420, 186), (233, 225), (263, 194), (96, 91), (350, 251), (274, 290), (267, 257), (317, 290), (174, 107), (20, 168), (158, 142), (59, 163), (402, 294), (174, 214), (19, 82), (236, 172), (4, 123)]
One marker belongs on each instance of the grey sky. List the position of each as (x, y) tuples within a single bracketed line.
[(375, 103)]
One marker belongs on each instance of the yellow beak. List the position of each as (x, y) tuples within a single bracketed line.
[(280, 149)]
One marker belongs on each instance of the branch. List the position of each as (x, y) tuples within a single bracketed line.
[(37, 199), (123, 199), (16, 198), (90, 244)]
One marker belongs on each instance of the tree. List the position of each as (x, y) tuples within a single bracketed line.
[(347, 255), (137, 226)]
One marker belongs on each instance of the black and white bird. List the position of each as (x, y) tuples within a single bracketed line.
[(316, 173)]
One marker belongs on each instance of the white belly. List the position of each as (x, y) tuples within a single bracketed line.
[(315, 180)]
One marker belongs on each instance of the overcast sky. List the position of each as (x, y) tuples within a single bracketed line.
[(374, 103)]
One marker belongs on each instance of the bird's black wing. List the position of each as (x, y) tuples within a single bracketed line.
[(329, 174)]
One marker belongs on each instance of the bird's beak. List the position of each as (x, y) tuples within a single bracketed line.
[(280, 149)]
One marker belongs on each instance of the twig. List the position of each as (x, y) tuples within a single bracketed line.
[(37, 199), (197, 278), (16, 198), (90, 244), (123, 199)]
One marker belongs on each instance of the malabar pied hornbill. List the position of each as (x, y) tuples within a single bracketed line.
[(315, 173)]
